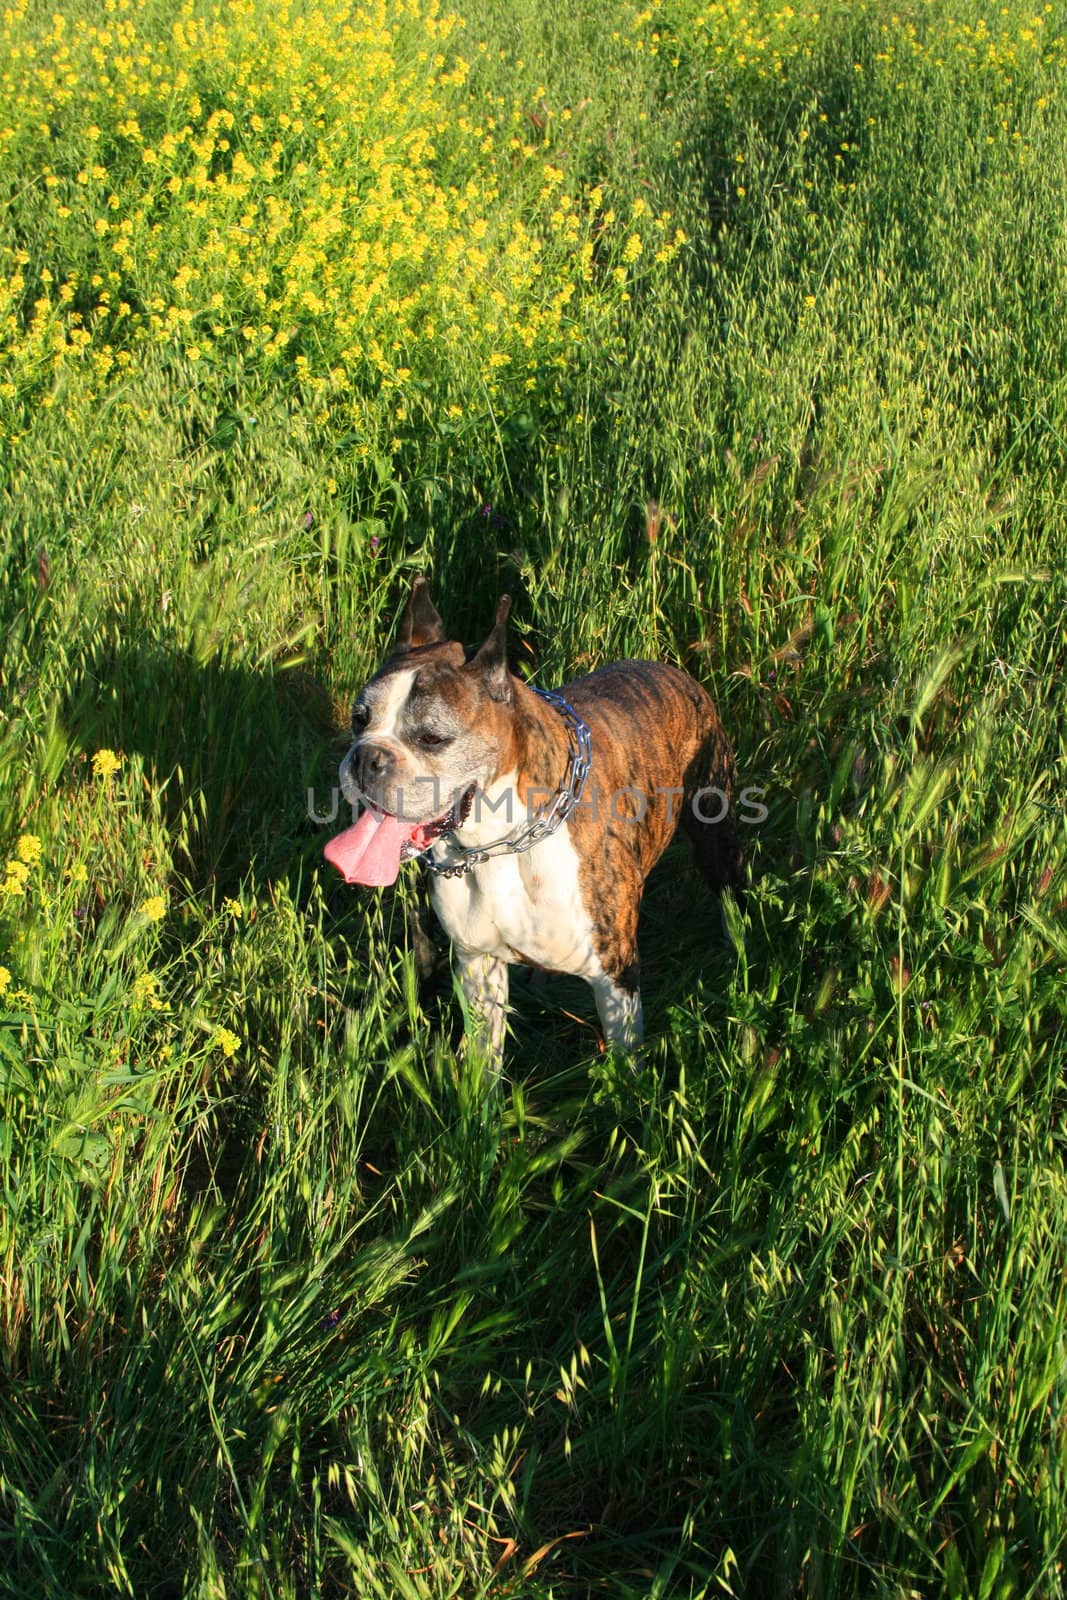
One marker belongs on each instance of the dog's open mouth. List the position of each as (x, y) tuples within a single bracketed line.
[(371, 851)]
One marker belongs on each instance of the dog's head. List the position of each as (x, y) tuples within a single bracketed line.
[(429, 728)]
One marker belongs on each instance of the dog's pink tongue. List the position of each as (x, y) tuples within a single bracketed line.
[(369, 852)]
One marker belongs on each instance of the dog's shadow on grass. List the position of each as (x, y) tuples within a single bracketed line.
[(234, 752)]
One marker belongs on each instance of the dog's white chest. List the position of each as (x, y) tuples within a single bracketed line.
[(522, 907)]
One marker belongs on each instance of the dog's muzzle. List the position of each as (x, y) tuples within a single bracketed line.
[(365, 771), (373, 766)]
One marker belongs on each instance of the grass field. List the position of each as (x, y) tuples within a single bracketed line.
[(732, 334)]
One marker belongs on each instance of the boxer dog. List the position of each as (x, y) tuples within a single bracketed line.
[(539, 814)]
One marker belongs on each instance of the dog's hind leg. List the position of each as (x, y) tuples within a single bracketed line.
[(618, 1005)]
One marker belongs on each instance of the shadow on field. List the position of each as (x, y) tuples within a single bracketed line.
[(233, 751), (707, 165)]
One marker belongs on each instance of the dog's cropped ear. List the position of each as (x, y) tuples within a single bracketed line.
[(420, 623), (491, 659)]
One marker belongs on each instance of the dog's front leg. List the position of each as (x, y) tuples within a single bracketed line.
[(484, 981), (619, 1009)]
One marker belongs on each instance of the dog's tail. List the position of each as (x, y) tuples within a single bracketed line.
[(708, 815), (717, 851)]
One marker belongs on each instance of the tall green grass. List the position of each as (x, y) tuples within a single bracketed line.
[(293, 1301)]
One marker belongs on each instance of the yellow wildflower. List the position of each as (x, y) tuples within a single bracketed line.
[(5, 980), (227, 1042), (234, 907), (154, 908), (28, 849), (14, 883), (146, 991), (106, 763)]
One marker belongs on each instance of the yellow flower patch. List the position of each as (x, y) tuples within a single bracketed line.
[(313, 188)]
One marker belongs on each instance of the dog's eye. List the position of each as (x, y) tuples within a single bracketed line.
[(430, 740), (360, 717)]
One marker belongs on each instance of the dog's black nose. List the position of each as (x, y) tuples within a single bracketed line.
[(372, 763)]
